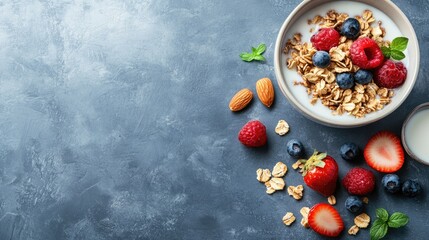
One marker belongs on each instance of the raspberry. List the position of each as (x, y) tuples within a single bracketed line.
[(359, 181), (325, 39), (390, 74), (366, 54), (253, 134)]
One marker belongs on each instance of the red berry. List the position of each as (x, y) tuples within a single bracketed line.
[(384, 152), (366, 54), (359, 181), (253, 134), (325, 220), (390, 74), (321, 173), (325, 39)]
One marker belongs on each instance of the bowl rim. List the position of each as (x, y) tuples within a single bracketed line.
[(320, 119), (417, 109)]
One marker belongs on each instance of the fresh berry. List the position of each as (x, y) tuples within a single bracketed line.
[(350, 28), (366, 54), (325, 39), (390, 74), (325, 220), (349, 151), (411, 188), (321, 173), (253, 134), (295, 148), (354, 204), (363, 76), (321, 59), (345, 80), (384, 152), (391, 183), (359, 181)]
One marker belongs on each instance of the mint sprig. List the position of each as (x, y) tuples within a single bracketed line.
[(396, 48), (381, 225), (256, 54)]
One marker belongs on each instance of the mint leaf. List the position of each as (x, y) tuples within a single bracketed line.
[(399, 43), (382, 214), (397, 55), (261, 49), (259, 58), (248, 57), (397, 220), (254, 50), (378, 229), (386, 51)]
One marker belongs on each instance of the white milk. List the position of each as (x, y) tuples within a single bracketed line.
[(301, 26), (416, 135)]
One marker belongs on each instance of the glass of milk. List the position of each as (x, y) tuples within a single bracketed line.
[(415, 133)]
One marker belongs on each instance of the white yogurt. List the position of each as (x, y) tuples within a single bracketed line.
[(417, 133), (301, 26)]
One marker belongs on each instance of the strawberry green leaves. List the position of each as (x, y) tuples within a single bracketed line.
[(256, 54), (396, 48), (381, 225)]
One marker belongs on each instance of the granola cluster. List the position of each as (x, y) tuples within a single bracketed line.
[(320, 83)]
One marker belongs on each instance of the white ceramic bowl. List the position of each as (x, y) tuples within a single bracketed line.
[(393, 20)]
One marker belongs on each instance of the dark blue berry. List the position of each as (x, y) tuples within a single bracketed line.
[(391, 183), (363, 76), (349, 151), (295, 148), (411, 188), (350, 28), (345, 80), (321, 59), (354, 204)]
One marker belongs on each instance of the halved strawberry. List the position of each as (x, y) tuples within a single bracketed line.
[(325, 220), (384, 152)]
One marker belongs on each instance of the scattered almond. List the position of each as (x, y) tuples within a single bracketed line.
[(362, 220), (353, 230), (288, 219), (265, 91), (263, 175), (240, 100), (282, 127), (279, 170), (332, 200)]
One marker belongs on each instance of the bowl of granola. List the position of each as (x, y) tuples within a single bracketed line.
[(346, 63)]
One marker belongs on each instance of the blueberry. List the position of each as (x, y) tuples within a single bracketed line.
[(411, 188), (391, 183), (321, 59), (350, 28), (295, 148), (354, 204), (349, 151), (363, 76), (345, 80)]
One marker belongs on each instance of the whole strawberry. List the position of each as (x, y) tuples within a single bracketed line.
[(320, 173), (253, 134)]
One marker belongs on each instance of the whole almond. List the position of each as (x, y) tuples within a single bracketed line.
[(240, 99), (265, 91)]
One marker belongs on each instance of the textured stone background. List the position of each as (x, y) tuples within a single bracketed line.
[(114, 123)]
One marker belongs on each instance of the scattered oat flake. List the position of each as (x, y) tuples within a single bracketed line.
[(279, 170), (282, 127), (353, 230), (365, 200), (304, 222), (332, 200), (288, 219), (362, 220), (297, 164), (263, 175), (295, 192)]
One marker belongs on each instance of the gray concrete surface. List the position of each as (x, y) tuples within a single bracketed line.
[(114, 123)]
